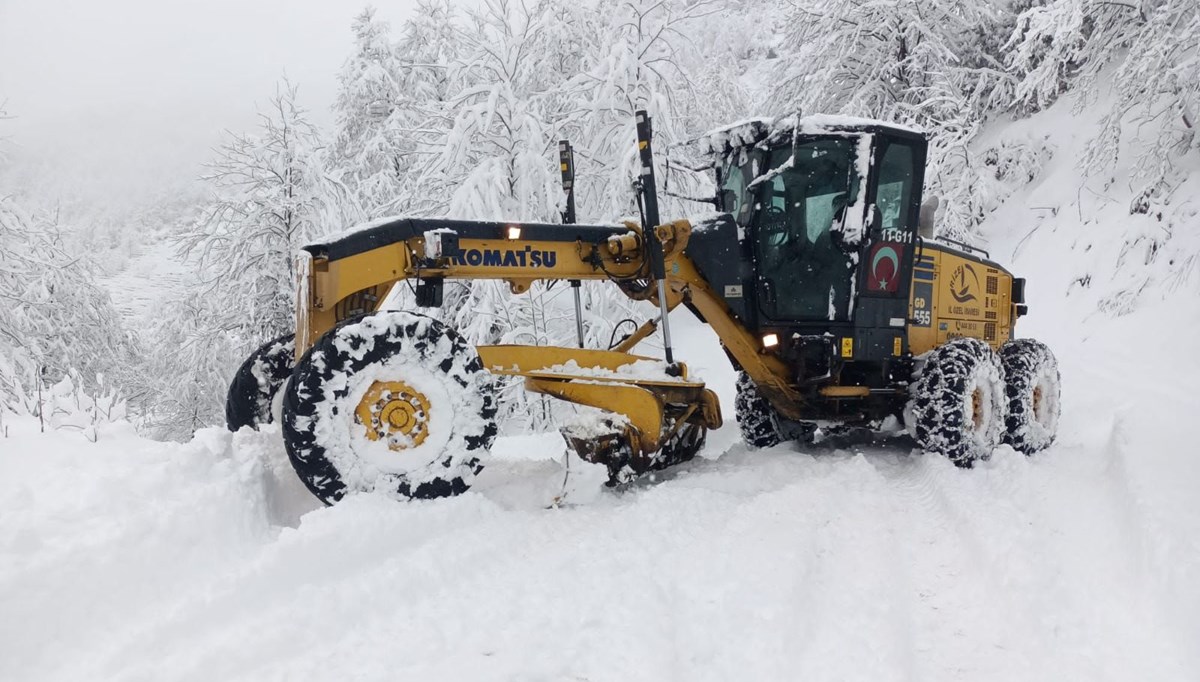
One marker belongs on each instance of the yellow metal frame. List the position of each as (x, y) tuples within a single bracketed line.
[(620, 257), (970, 297), (988, 315), (645, 402)]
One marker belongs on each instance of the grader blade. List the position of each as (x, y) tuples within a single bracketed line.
[(611, 444), (659, 416)]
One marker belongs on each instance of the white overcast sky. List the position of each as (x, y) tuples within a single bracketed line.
[(152, 83)]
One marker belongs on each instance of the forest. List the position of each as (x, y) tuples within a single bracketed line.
[(458, 112)]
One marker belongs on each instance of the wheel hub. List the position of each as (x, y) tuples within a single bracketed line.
[(394, 412), (1039, 404), (977, 404)]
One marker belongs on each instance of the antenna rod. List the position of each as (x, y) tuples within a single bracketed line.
[(566, 165), (650, 199)]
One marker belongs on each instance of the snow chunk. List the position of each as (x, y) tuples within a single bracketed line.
[(648, 370), (361, 227), (818, 124)]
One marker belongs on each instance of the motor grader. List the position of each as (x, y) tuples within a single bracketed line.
[(818, 273)]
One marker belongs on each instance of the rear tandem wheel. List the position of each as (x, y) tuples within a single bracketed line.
[(252, 393), (957, 405)]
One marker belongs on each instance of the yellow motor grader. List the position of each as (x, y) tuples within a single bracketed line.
[(818, 274)]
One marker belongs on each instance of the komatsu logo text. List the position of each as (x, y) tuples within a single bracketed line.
[(528, 257)]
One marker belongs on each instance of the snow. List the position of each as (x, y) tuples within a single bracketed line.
[(751, 130), (648, 370), (818, 124), (361, 227), (209, 560), (123, 558)]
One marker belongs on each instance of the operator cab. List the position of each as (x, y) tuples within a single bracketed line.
[(807, 198), (795, 201), (820, 215)]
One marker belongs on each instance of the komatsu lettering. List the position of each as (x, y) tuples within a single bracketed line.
[(506, 258)]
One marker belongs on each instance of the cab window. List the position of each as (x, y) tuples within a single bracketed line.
[(893, 197)]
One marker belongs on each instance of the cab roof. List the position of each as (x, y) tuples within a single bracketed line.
[(750, 132)]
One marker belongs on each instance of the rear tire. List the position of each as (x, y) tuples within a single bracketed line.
[(252, 392), (958, 403), (1032, 388), (393, 402)]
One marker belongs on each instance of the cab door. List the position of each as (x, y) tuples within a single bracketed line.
[(805, 272), (886, 277)]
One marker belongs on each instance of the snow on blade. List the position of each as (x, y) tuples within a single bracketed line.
[(649, 370)]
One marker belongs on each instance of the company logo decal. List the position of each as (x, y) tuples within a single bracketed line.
[(506, 258), (963, 282), (883, 273)]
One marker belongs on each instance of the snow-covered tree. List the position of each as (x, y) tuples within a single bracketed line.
[(914, 62), (646, 59), (1057, 42), (272, 193), (497, 160), (55, 319), (1154, 47), (1157, 96), (365, 146), (390, 110)]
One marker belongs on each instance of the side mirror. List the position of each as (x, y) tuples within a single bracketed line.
[(766, 292), (927, 225), (726, 199)]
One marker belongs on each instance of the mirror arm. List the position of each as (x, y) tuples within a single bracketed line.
[(710, 200), (694, 169)]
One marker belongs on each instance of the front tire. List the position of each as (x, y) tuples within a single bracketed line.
[(757, 420), (761, 424), (393, 402), (252, 392), (1032, 389), (958, 403)]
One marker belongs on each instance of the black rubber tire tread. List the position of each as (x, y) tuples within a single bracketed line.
[(937, 408), (257, 381), (758, 421), (324, 362), (1024, 360)]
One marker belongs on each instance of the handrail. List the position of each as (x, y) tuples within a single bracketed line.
[(963, 245)]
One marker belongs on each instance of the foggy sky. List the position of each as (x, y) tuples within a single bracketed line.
[(143, 88)]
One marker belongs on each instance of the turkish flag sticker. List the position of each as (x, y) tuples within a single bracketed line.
[(883, 267)]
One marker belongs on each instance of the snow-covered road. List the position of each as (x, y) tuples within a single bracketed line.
[(133, 560)]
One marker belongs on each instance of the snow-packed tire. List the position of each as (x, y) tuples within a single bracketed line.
[(1032, 388), (957, 405), (394, 402), (252, 392), (758, 421)]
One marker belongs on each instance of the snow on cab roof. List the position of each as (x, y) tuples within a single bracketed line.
[(752, 130)]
